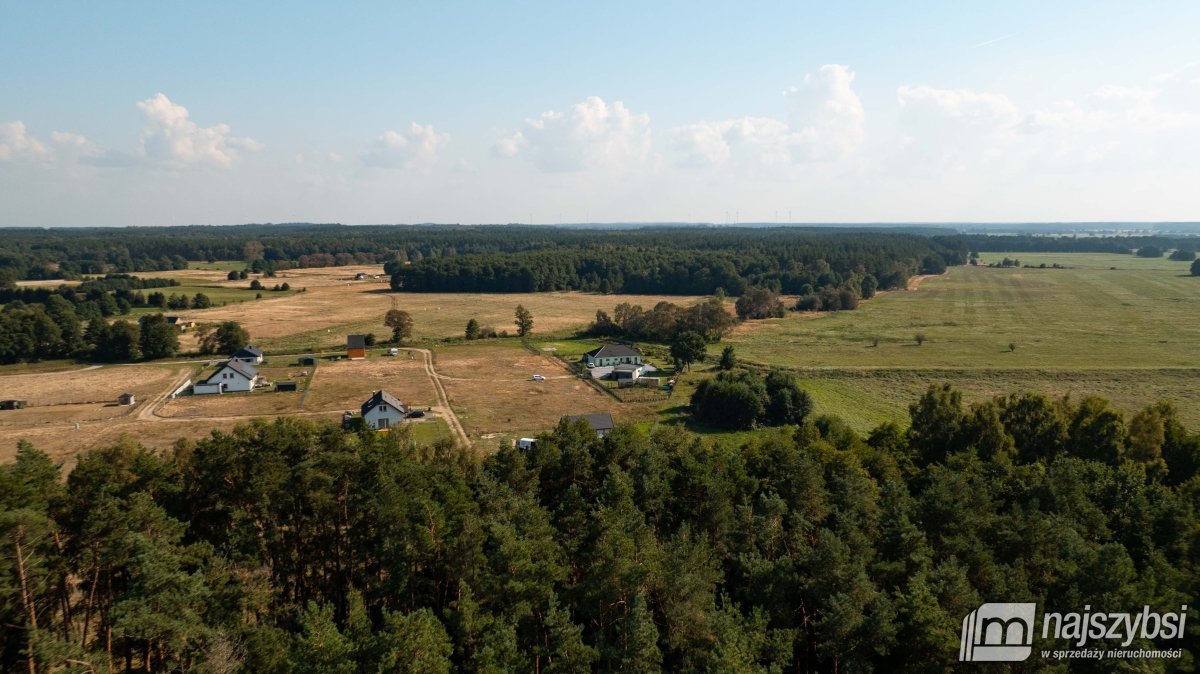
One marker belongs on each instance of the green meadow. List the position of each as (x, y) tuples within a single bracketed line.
[(1117, 326)]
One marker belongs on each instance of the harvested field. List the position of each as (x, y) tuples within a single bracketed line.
[(346, 384)]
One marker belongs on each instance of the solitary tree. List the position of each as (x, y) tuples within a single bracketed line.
[(201, 301), (472, 331), (232, 275), (524, 321), (687, 348), (920, 337), (401, 324), (728, 359)]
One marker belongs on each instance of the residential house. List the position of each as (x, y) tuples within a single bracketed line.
[(231, 376), (613, 354), (356, 346), (383, 411), (178, 322), (602, 424), (248, 354)]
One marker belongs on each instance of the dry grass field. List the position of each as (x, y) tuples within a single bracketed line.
[(97, 384), (335, 305), (346, 384), (63, 442), (490, 387)]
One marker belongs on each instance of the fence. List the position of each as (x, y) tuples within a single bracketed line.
[(182, 387)]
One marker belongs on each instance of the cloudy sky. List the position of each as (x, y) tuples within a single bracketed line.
[(174, 113)]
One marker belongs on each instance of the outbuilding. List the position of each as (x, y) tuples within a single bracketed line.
[(356, 346), (126, 399), (602, 424), (249, 354)]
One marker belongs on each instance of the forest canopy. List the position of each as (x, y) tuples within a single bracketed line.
[(295, 546)]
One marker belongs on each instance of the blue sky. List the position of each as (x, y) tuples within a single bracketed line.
[(166, 113)]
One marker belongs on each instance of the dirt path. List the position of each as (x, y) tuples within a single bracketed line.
[(443, 407), (150, 409), (915, 282)]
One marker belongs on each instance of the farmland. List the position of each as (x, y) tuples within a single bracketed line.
[(1117, 326), (333, 304), (1126, 333)]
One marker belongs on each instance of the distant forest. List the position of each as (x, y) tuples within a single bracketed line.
[(676, 260)]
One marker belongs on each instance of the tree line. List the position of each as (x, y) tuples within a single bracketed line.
[(693, 262), (293, 546)]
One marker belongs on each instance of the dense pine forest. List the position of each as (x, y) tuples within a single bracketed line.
[(294, 546)]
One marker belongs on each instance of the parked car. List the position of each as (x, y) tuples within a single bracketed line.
[(538, 377), (416, 414)]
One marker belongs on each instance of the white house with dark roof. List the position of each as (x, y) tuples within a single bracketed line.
[(248, 354), (232, 376), (611, 355), (383, 410)]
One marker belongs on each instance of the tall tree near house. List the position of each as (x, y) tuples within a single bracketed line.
[(401, 323), (227, 337), (524, 321), (687, 348), (159, 339)]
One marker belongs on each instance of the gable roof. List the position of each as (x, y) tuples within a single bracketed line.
[(382, 397), (597, 422), (248, 351), (356, 341), (614, 351), (245, 369)]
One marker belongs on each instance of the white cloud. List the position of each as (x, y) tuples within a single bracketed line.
[(829, 115), (16, 144), (827, 124), (67, 138), (759, 139), (397, 149), (592, 134), (171, 138), (963, 104)]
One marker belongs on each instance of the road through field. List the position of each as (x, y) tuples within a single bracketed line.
[(445, 410)]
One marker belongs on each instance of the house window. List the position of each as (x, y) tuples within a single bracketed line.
[(382, 423), (383, 408)]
